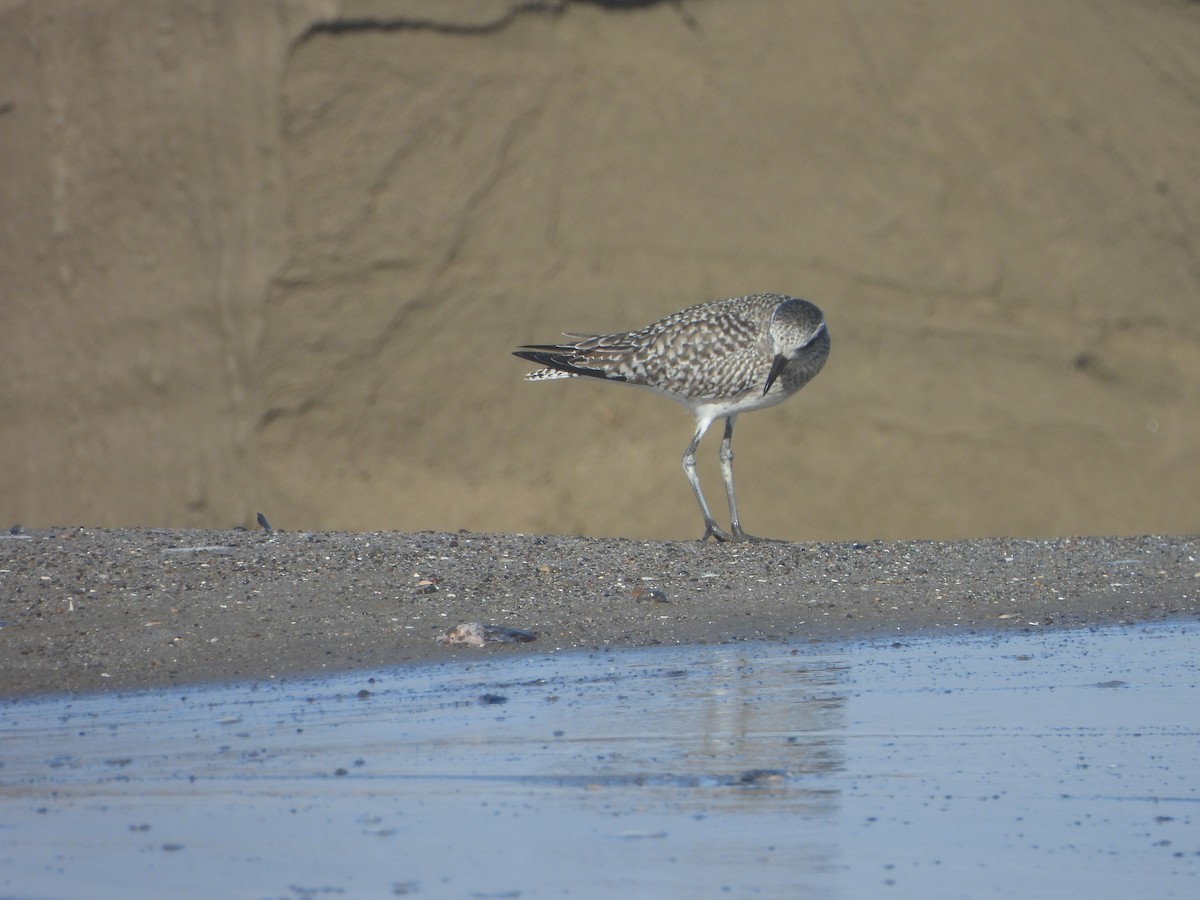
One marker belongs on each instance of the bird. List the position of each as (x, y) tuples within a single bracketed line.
[(719, 359)]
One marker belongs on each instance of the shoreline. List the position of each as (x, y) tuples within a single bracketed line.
[(123, 609)]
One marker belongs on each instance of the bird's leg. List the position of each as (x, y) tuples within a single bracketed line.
[(727, 473), (711, 528)]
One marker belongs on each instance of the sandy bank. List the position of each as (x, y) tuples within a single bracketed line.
[(86, 609)]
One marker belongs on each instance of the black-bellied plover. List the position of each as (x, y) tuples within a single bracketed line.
[(718, 359)]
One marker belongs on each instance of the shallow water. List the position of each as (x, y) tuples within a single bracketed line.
[(1045, 763)]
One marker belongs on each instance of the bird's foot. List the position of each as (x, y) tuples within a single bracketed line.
[(715, 531), (740, 535)]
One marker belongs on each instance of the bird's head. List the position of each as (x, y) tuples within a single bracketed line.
[(797, 332)]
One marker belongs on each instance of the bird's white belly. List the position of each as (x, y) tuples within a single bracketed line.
[(712, 408)]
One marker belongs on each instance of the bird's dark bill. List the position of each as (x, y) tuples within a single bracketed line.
[(777, 368)]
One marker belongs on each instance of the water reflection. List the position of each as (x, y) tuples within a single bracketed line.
[(766, 769)]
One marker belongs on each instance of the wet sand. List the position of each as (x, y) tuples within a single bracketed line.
[(93, 609)]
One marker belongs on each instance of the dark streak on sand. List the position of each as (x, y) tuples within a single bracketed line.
[(87, 609)]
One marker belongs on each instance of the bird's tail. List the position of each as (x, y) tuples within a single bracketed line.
[(549, 375)]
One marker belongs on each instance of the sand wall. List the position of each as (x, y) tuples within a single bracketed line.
[(273, 256)]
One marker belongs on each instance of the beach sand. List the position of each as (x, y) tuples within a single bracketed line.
[(96, 609)]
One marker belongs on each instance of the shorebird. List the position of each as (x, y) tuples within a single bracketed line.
[(718, 359)]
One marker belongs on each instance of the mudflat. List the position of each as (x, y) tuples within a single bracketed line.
[(115, 609)]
